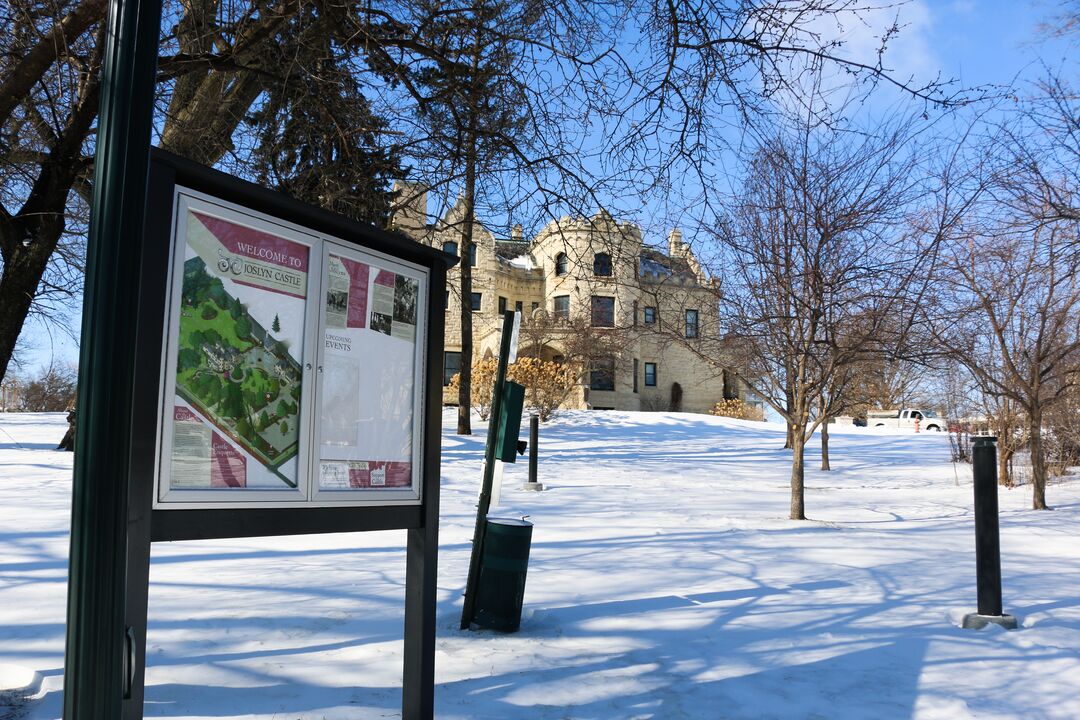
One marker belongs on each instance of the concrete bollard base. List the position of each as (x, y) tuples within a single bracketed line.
[(975, 621)]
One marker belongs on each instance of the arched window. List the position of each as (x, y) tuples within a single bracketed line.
[(450, 247), (560, 264), (602, 265)]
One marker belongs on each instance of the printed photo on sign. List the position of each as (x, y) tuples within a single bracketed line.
[(238, 383), (406, 292)]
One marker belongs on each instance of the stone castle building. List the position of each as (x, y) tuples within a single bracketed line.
[(582, 280)]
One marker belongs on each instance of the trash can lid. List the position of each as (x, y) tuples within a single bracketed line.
[(518, 522)]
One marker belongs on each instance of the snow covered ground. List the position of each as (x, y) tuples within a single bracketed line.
[(665, 582)]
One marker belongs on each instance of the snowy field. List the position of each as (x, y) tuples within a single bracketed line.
[(665, 582)]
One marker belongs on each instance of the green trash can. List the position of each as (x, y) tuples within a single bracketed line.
[(503, 565)]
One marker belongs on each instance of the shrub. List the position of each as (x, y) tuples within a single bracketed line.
[(737, 409), (483, 383), (547, 384)]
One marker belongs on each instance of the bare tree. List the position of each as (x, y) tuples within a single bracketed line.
[(53, 390), (814, 267), (1014, 320), (660, 109), (49, 62), (215, 62), (1012, 313)]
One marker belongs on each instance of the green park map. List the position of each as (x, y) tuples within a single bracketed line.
[(235, 373)]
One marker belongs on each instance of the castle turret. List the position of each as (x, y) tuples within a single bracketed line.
[(409, 212)]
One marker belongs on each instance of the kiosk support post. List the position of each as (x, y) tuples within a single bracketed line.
[(421, 564), (97, 644)]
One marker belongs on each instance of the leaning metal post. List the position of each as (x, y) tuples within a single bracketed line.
[(468, 609)]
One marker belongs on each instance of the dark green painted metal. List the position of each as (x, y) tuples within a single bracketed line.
[(94, 681), (506, 441), (484, 503), (503, 569)]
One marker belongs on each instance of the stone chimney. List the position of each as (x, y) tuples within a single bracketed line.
[(675, 244), (680, 250)]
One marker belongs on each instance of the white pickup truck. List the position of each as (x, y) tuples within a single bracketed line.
[(928, 419)]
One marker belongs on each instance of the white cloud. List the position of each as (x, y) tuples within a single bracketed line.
[(908, 58)]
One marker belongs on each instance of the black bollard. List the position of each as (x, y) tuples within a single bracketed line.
[(987, 538), (534, 436), (534, 440)]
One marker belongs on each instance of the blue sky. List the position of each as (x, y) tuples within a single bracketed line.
[(976, 42)]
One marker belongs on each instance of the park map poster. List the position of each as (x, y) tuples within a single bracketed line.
[(368, 366), (239, 340)]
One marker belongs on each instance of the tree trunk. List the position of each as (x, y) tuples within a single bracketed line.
[(1038, 461), (789, 441), (825, 445), (464, 421), (1005, 453), (798, 446), (18, 284)]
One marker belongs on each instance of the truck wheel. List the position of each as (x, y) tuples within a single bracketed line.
[(880, 425), (935, 428)]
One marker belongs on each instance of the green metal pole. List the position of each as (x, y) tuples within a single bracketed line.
[(95, 657), (482, 507)]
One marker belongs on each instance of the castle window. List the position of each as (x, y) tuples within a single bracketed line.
[(451, 366), (691, 323), (650, 374), (602, 377), (636, 367), (475, 301), (602, 265), (502, 305), (472, 255), (560, 264), (562, 307), (603, 311), (650, 316), (517, 306), (450, 247)]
